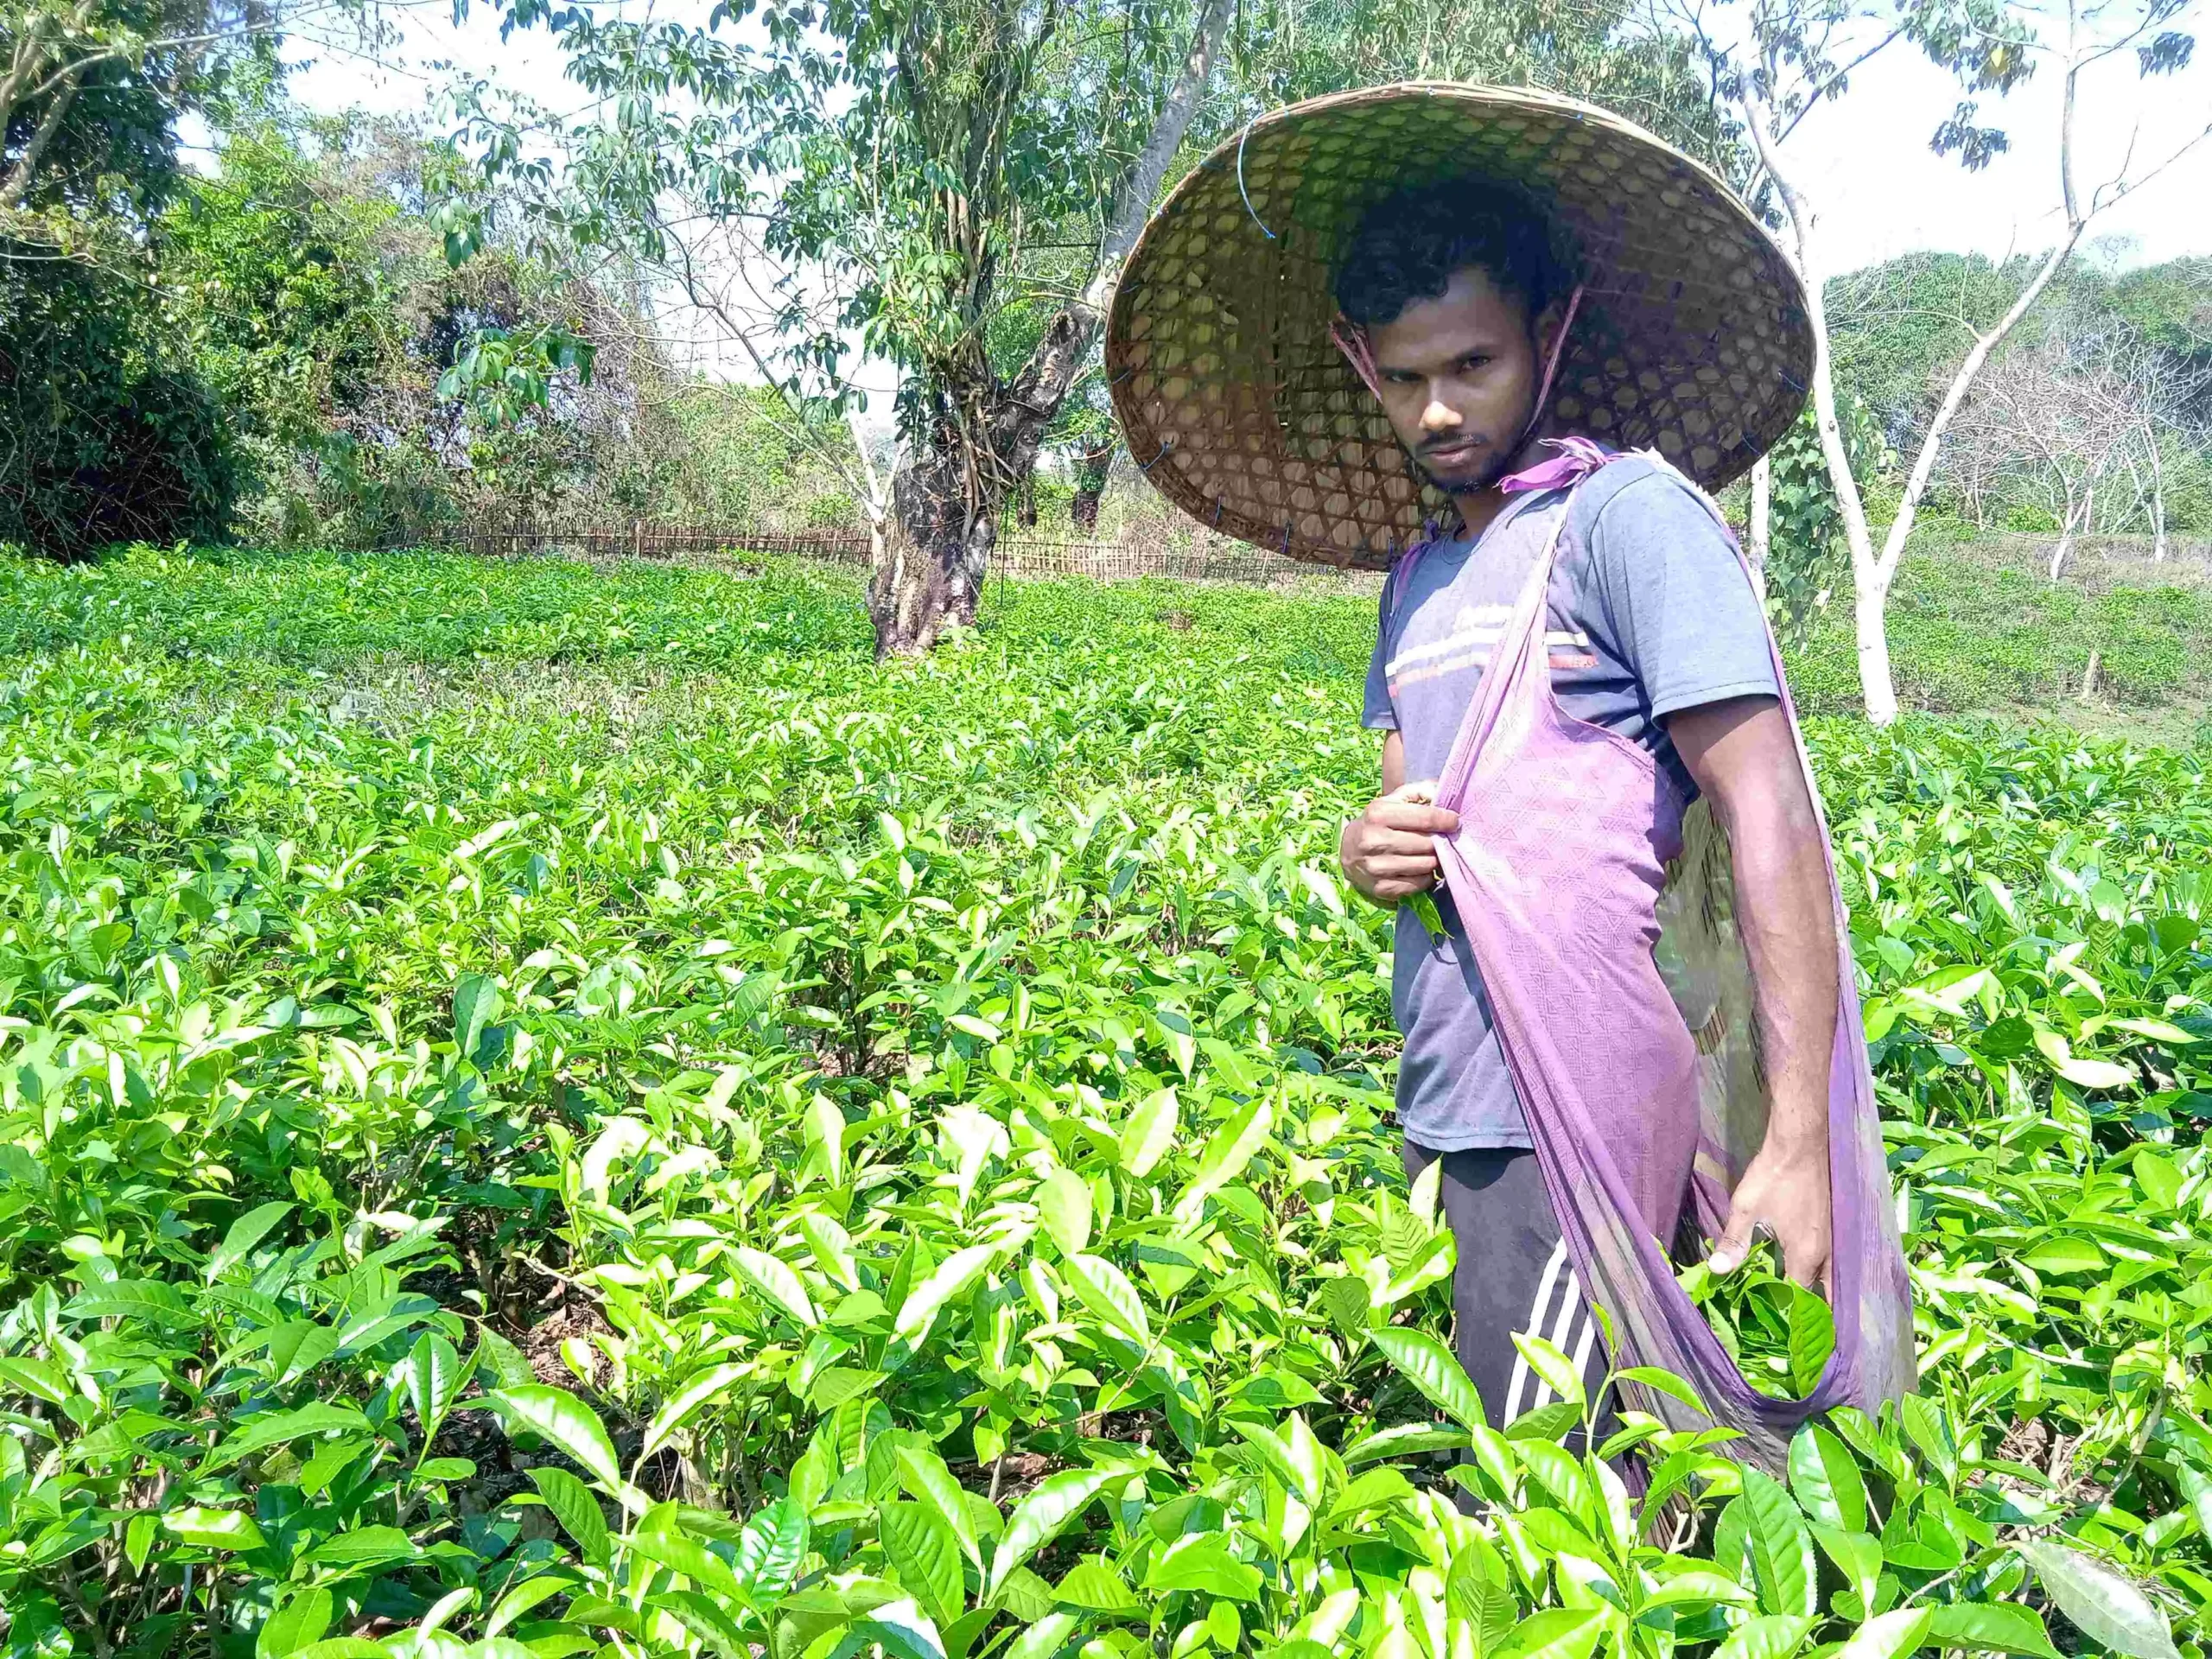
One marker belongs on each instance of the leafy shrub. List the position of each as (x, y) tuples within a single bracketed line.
[(1808, 560), (110, 435), (566, 1112)]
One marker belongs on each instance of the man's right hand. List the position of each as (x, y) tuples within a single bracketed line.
[(1387, 852)]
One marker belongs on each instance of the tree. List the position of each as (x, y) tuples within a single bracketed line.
[(1791, 56), (1590, 49), (948, 187), (106, 429), (91, 91), (2056, 414)]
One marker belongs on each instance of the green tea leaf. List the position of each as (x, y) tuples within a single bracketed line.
[(500, 1359), (576, 1510), (1147, 1132), (434, 1376), (1994, 1627), (364, 1548), (923, 1473), (1402, 1440), (213, 1529), (1045, 1639), (248, 1230), (301, 1621), (1063, 1207), (661, 1537), (151, 1300), (531, 1592), (1226, 1152), (2104, 1605), (925, 1555), (1781, 1550), (903, 1630), (1771, 1636), (951, 1278), (557, 1416), (676, 1410), (776, 1280), (274, 1429), (1889, 1636), (1202, 1562), (1040, 1517), (1106, 1291), (476, 1003), (1557, 1370), (1559, 1633), (1824, 1478), (1857, 1555), (771, 1547), (1480, 1589), (1097, 1587), (1433, 1369)]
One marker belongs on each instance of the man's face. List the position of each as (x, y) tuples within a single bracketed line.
[(1458, 376)]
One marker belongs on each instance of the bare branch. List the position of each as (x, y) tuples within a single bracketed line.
[(1134, 204), (18, 182)]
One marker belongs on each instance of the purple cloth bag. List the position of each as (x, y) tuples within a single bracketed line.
[(1621, 1001)]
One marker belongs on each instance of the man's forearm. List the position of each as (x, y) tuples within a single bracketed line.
[(1746, 760), (1787, 918)]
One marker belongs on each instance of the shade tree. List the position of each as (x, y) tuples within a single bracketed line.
[(1775, 61)]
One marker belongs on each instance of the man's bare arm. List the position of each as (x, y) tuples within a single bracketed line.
[(1744, 758), (1387, 852)]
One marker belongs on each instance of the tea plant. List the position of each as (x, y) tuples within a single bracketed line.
[(557, 1111)]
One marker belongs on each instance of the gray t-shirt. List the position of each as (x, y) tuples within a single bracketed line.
[(1650, 613)]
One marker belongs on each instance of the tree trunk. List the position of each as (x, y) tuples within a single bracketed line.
[(2157, 503), (1873, 570), (2065, 536), (1870, 579), (929, 564), (931, 572), (1876, 683), (1092, 468)]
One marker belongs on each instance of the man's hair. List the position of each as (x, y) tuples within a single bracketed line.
[(1408, 244)]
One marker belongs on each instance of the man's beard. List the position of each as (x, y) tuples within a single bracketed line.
[(1494, 467)]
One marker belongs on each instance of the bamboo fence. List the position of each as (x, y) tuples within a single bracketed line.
[(726, 545)]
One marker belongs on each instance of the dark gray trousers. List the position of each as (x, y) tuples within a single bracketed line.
[(1513, 1275)]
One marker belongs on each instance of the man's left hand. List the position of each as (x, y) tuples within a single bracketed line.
[(1786, 1189)]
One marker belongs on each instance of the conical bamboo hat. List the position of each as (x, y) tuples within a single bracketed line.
[(1692, 337)]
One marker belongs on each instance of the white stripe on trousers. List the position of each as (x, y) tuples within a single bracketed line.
[(1563, 1334)]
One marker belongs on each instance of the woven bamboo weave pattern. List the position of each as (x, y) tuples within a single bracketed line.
[(1692, 336)]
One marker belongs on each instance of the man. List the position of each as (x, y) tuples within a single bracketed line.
[(1655, 633), (1492, 311)]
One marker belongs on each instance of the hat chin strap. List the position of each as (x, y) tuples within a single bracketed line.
[(1351, 339), (1551, 367)]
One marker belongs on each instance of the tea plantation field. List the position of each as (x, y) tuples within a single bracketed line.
[(551, 1112)]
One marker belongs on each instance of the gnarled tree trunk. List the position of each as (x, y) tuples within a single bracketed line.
[(953, 485), (929, 566)]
